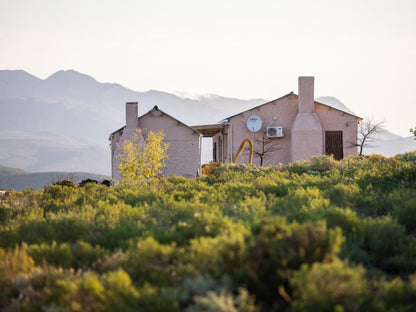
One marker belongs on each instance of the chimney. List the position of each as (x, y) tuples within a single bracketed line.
[(306, 96), (306, 132), (132, 121)]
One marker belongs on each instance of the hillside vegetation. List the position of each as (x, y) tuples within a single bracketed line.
[(312, 236)]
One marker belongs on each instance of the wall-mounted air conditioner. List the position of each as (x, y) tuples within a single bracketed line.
[(275, 132)]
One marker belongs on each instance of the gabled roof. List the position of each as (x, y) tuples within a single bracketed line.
[(287, 95), (247, 110), (155, 108)]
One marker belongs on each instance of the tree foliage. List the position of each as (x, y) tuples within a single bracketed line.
[(143, 157)]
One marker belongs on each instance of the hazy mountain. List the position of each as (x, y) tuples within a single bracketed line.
[(63, 122), (335, 103), (389, 144)]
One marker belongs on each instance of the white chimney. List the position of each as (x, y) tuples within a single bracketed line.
[(132, 121), (306, 96)]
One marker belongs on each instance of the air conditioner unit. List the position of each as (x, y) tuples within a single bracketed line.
[(275, 132)]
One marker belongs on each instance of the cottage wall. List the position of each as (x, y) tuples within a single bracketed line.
[(184, 144), (280, 112), (115, 151), (335, 120)]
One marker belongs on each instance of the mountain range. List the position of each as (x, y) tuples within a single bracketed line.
[(62, 123)]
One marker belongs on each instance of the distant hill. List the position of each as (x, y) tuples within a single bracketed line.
[(7, 171), (17, 179), (334, 102)]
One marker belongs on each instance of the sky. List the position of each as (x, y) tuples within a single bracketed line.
[(362, 52)]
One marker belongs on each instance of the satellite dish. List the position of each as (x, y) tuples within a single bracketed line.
[(254, 123)]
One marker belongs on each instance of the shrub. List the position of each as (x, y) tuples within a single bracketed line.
[(66, 182), (346, 219), (322, 163), (396, 294), (206, 225), (87, 181), (55, 254), (210, 168), (278, 248), (224, 302), (404, 208), (330, 287), (106, 182), (216, 256), (381, 243), (14, 262), (150, 262)]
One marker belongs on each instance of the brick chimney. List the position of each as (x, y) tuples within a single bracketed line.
[(306, 133), (306, 94), (132, 121)]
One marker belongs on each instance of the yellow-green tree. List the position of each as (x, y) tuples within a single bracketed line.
[(143, 157)]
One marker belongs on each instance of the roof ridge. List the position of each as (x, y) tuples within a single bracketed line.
[(290, 93)]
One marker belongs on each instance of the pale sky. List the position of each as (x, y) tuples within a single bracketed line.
[(361, 51)]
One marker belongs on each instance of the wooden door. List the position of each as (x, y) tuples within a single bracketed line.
[(333, 144)]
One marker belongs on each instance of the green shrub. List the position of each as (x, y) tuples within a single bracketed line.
[(150, 262), (330, 287), (382, 243), (396, 295), (322, 163), (304, 204), (59, 255), (216, 256), (346, 219), (66, 182), (202, 225), (15, 265), (224, 302), (87, 181), (278, 248), (14, 262), (404, 208)]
